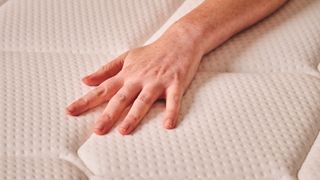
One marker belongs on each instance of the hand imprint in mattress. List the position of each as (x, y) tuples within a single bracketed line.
[(161, 70)]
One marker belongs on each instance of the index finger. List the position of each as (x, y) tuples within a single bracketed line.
[(93, 98)]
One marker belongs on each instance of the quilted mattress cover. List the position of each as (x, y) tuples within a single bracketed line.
[(252, 111)]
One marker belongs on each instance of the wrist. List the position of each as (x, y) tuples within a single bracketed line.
[(207, 35), (185, 36), (199, 36)]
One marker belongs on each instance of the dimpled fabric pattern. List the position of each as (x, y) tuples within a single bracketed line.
[(235, 126), (39, 168), (80, 26), (252, 111), (45, 48)]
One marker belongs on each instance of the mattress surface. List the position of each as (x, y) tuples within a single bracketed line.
[(310, 168), (2, 2), (235, 126), (38, 168), (252, 111), (80, 26)]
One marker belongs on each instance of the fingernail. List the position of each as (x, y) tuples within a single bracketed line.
[(169, 124), (86, 78), (69, 109), (123, 129), (99, 125)]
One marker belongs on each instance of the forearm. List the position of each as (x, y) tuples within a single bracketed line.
[(215, 21)]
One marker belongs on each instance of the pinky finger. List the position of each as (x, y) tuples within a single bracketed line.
[(173, 103)]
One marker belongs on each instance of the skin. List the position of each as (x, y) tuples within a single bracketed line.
[(165, 68)]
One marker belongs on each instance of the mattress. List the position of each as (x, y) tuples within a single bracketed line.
[(252, 111)]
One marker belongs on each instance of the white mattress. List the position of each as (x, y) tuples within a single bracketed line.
[(252, 111)]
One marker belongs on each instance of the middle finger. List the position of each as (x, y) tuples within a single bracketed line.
[(115, 107)]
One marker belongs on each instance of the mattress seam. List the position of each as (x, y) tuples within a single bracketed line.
[(199, 71), (307, 154)]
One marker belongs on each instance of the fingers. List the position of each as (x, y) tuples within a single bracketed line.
[(108, 70), (115, 107), (94, 98), (139, 109), (173, 103)]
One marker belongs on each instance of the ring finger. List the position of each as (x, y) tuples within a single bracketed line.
[(115, 108)]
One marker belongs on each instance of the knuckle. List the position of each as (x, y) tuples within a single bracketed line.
[(121, 97), (177, 77), (83, 101), (172, 112), (145, 99), (106, 117), (105, 68), (101, 92), (134, 118), (176, 98)]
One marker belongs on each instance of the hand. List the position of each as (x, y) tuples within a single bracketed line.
[(161, 70), (165, 68)]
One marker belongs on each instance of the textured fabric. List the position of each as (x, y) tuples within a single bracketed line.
[(2, 2), (252, 111), (235, 126), (38, 168), (310, 168), (80, 26), (45, 48), (34, 90)]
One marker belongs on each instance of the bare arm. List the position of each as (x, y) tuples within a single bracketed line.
[(165, 68), (215, 21)]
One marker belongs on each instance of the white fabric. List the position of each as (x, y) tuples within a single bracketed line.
[(30, 168), (235, 126), (310, 168), (2, 2), (252, 111), (45, 48), (80, 26)]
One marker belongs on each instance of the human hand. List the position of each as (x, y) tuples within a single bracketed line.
[(165, 68), (161, 70)]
